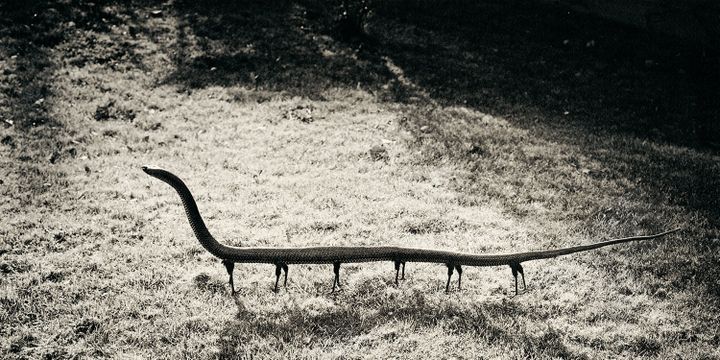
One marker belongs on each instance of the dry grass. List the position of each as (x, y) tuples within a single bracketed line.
[(426, 133)]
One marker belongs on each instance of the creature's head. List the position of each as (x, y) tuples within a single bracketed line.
[(161, 174), (150, 169)]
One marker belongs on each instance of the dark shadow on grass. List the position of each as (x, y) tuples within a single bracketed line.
[(31, 30), (499, 57), (26, 41), (299, 328), (273, 46), (32, 33), (511, 58)]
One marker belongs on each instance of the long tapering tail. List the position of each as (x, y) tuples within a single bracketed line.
[(546, 254)]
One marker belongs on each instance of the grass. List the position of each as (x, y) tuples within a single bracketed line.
[(465, 129)]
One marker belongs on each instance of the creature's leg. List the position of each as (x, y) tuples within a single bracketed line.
[(285, 267), (336, 270), (397, 272), (520, 270), (403, 271), (459, 270), (230, 266), (278, 269), (450, 272), (514, 269)]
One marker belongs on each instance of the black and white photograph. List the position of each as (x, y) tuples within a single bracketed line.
[(360, 179)]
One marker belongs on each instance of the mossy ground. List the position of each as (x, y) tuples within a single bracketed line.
[(491, 127)]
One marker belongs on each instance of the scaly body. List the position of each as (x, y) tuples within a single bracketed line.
[(336, 255)]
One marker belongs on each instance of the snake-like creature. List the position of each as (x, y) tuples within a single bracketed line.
[(337, 255)]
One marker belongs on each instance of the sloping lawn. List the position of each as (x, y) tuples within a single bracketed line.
[(484, 128)]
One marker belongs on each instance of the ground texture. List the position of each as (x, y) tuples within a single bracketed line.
[(487, 128)]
